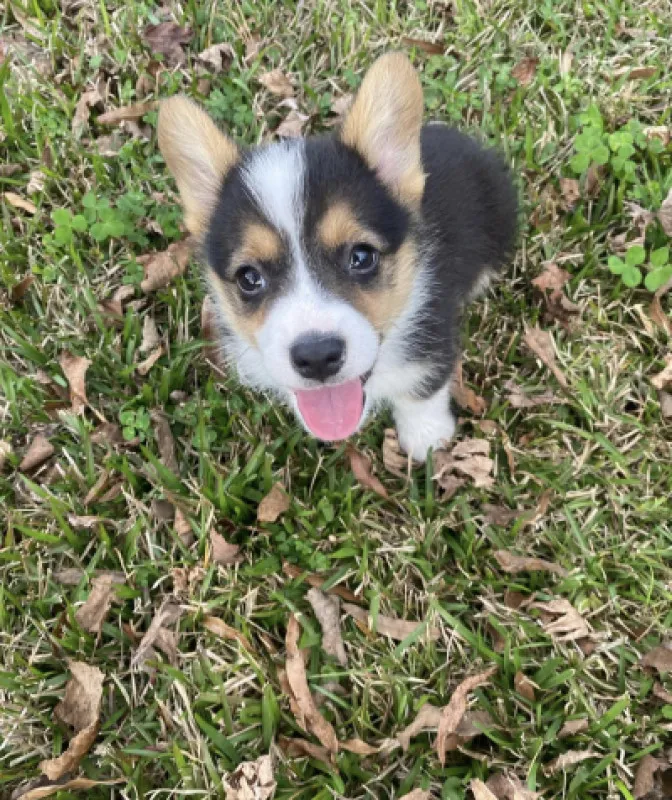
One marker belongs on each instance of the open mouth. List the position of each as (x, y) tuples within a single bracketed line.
[(333, 412)]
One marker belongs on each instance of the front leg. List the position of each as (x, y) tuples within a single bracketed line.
[(424, 423)]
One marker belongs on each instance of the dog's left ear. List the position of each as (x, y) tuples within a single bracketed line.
[(384, 126)]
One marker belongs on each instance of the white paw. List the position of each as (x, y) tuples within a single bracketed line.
[(424, 424)]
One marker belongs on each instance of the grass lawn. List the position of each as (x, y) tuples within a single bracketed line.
[(570, 90)]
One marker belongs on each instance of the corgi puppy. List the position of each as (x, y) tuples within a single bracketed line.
[(339, 265)]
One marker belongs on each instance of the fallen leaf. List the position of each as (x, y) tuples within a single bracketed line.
[(252, 46), (165, 441), (570, 192), (277, 83), (469, 458), (17, 201), (161, 267), (87, 521), (146, 364), (594, 178), (274, 505), (251, 780), (432, 48), (507, 786), (359, 747), (224, 552), (569, 759), (514, 600), (663, 380), (79, 708), (665, 399), (327, 610), (661, 693), (133, 112), (519, 399), (525, 70), (80, 119), (449, 485), (220, 628), (429, 717), (218, 57), (499, 515), (569, 625), (108, 433), (395, 461), (74, 784), (92, 613), (541, 344), (318, 582), (74, 368), (296, 748), (19, 289), (417, 794), (397, 629), (168, 613), (182, 527), (292, 125), (480, 790), (5, 453), (7, 170), (524, 686), (360, 465), (550, 283), (167, 39), (660, 132), (71, 576), (645, 778), (452, 714), (660, 658), (572, 727), (309, 717), (656, 309), (115, 304), (634, 73), (464, 396), (665, 214), (552, 279), (39, 450), (513, 564), (36, 182), (150, 334)]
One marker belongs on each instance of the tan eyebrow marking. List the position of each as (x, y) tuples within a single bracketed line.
[(340, 226)]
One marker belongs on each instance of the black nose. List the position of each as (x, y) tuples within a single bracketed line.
[(318, 356)]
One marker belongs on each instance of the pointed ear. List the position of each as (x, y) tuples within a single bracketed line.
[(384, 126), (198, 154)]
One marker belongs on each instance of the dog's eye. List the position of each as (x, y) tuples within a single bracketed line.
[(250, 281), (364, 259)]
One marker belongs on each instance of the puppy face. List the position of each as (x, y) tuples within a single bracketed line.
[(310, 247)]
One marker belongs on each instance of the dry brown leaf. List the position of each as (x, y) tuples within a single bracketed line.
[(144, 366), (84, 105), (468, 458), (514, 600), (480, 790), (660, 658), (394, 459), (251, 780), (552, 279), (432, 48), (550, 283), (663, 380), (525, 70), (645, 777), (464, 396), (519, 399), (7, 170), (75, 784), (417, 794), (17, 201), (87, 521), (318, 581), (252, 46), (133, 113), (220, 628), (541, 344), (79, 708), (397, 629), (569, 759), (634, 73), (167, 38), (168, 613), (5, 453), (428, 718), (661, 693), (74, 368), (661, 319), (570, 192), (661, 132), (297, 748), (572, 727), (309, 717), (452, 714), (39, 450), (292, 125), (218, 57), (19, 289), (359, 747), (360, 465), (449, 485), (513, 564), (277, 83), (36, 182), (108, 433), (274, 505), (150, 334), (115, 305), (161, 267), (224, 552), (328, 612), (92, 613), (165, 441), (182, 527), (665, 399), (569, 625), (507, 786), (499, 515), (665, 214), (71, 576), (524, 686)]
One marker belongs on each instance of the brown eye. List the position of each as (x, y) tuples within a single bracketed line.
[(364, 259), (250, 281)]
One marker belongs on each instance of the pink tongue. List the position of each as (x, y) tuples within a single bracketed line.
[(332, 412)]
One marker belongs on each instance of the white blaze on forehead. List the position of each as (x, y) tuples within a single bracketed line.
[(275, 178)]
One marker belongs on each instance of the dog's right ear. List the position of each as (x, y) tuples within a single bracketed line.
[(198, 154)]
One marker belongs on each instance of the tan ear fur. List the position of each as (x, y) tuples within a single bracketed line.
[(198, 154), (384, 125)]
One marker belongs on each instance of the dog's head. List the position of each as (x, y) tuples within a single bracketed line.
[(309, 244)]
